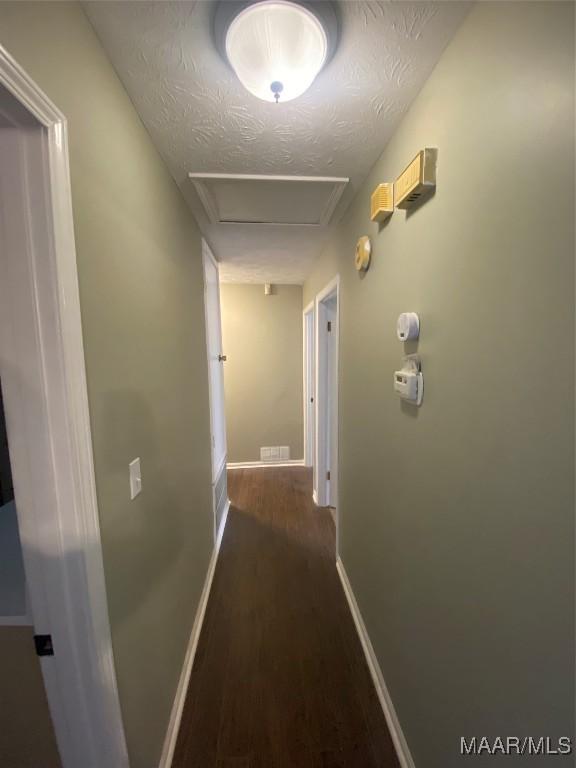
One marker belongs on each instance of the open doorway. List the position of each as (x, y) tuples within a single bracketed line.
[(27, 736), (326, 453), (263, 374), (60, 591)]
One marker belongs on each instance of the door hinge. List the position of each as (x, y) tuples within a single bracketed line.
[(329, 326), (328, 475), (43, 644)]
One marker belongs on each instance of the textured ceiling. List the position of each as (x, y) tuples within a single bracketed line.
[(202, 119)]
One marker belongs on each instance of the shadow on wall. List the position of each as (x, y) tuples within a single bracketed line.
[(126, 539), (127, 543)]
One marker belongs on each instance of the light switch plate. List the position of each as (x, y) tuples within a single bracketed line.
[(135, 478)]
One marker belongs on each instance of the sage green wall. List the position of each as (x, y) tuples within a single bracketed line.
[(26, 736), (457, 519), (262, 338), (141, 291)]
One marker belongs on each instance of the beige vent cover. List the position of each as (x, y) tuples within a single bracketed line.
[(418, 178), (261, 199), (382, 202)]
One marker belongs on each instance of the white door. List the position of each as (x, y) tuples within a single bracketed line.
[(309, 425), (331, 404), (215, 361)]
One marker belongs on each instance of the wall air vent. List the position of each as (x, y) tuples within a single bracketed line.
[(417, 180), (382, 202), (275, 453), (259, 199)]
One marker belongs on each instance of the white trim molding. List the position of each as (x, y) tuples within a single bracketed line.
[(207, 197), (263, 464), (400, 743), (50, 440), (308, 365), (326, 491), (182, 689), (220, 500)]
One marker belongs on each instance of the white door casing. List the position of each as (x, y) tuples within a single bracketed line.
[(327, 309), (46, 403), (331, 403)]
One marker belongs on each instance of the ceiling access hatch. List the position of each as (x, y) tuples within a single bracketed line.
[(261, 199)]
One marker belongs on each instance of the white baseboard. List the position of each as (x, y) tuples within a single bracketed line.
[(182, 689), (261, 464), (404, 756), (315, 497), (222, 525)]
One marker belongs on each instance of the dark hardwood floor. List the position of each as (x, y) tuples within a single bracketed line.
[(280, 679)]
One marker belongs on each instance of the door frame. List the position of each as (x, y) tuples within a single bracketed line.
[(51, 454), (308, 389), (321, 390), (218, 468)]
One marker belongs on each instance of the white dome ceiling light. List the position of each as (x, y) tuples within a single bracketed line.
[(276, 47)]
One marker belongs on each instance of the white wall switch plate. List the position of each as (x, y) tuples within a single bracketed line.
[(135, 478)]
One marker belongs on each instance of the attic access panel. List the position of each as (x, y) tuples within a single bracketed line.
[(261, 199)]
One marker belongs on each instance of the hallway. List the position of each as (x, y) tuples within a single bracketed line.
[(280, 679), (259, 259)]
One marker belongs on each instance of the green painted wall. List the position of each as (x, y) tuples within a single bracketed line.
[(457, 519), (140, 274), (262, 338), (27, 736)]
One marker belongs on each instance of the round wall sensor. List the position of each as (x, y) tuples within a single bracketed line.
[(408, 326), (362, 254)]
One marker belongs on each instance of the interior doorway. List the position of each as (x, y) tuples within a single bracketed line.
[(45, 400), (326, 454), (23, 695)]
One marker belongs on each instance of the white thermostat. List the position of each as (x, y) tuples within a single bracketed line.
[(408, 326), (409, 381)]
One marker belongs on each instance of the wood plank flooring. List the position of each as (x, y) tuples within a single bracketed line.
[(280, 679)]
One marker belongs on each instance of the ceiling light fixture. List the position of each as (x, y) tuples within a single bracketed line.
[(276, 47)]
